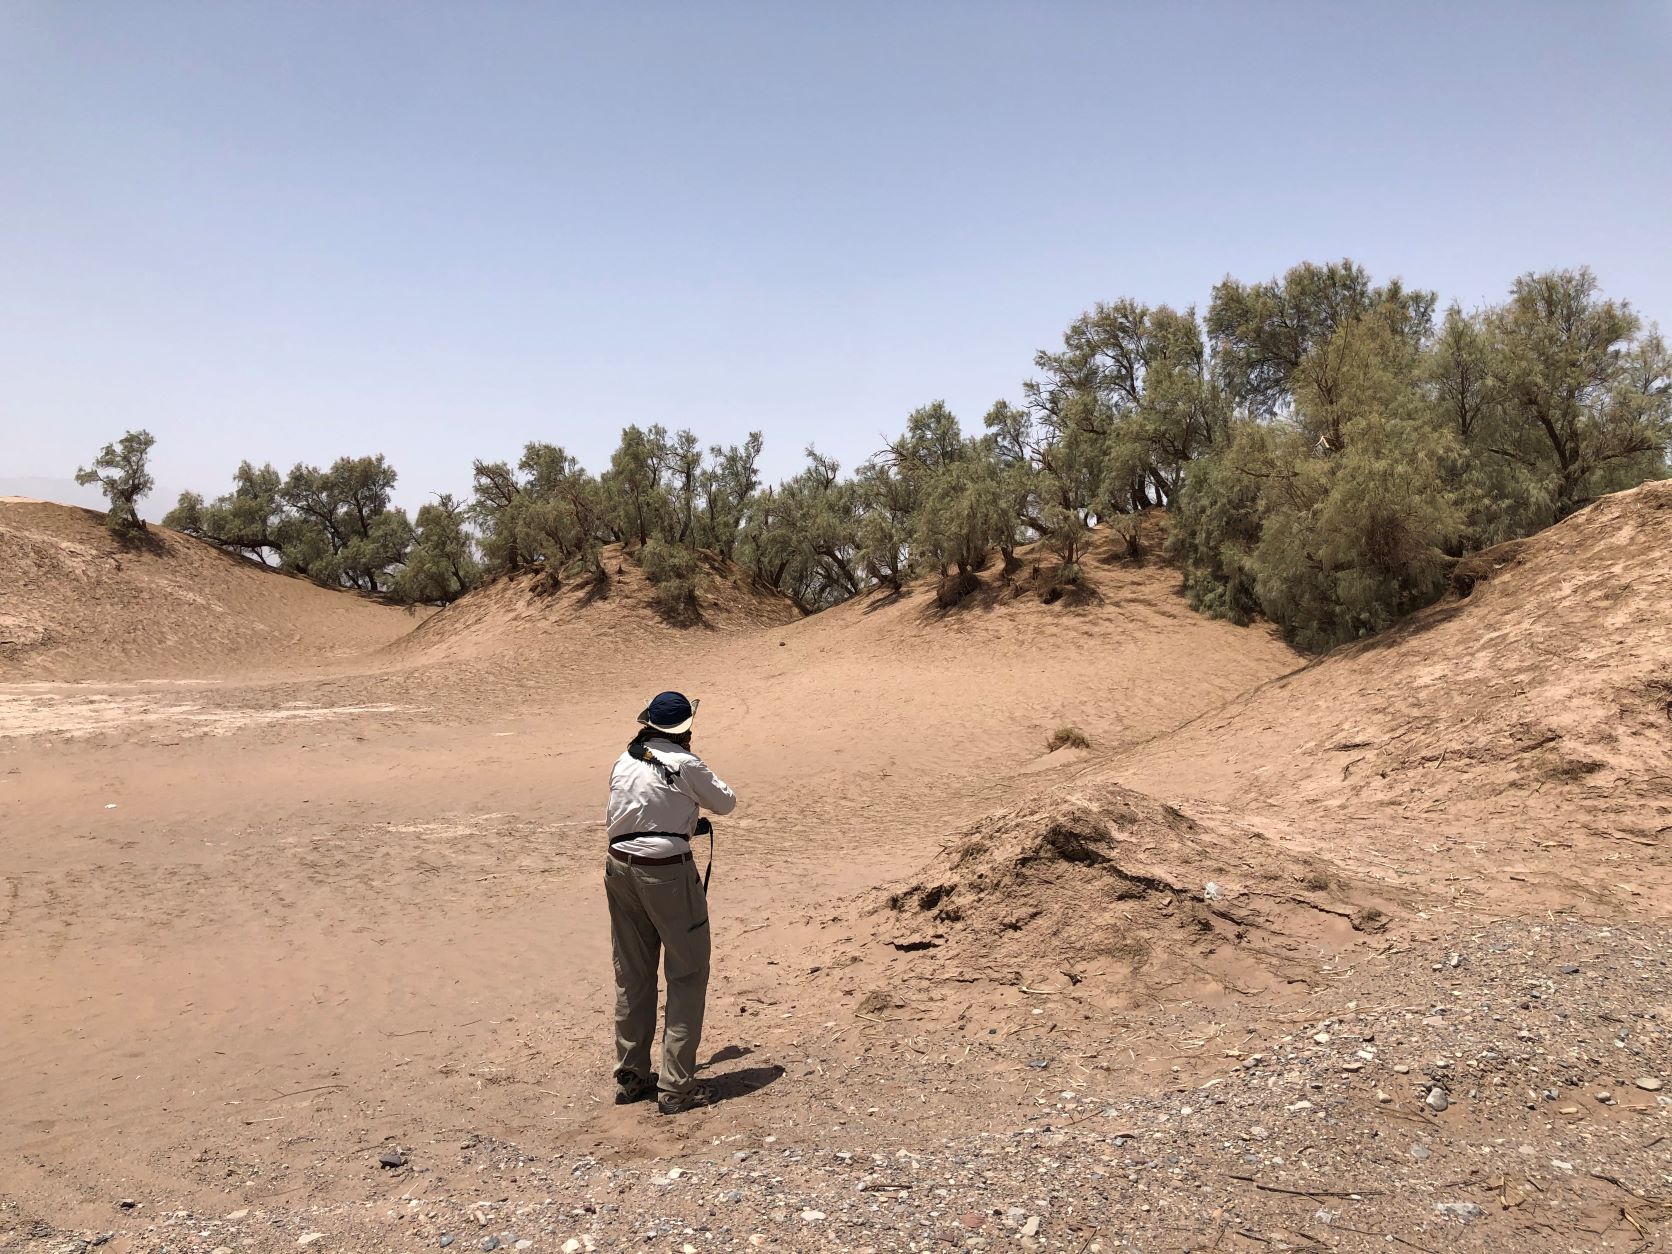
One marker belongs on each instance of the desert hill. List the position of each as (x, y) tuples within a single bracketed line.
[(79, 604), (1542, 687), (535, 612), (1122, 657)]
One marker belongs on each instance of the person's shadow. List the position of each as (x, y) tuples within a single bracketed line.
[(742, 1081)]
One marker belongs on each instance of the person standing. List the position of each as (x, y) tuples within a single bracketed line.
[(658, 905)]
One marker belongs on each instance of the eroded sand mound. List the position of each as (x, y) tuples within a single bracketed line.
[(1105, 885), (78, 604), (1544, 685), (535, 609)]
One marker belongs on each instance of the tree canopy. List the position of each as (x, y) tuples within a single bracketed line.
[(1326, 447)]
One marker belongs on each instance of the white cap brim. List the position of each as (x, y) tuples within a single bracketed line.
[(674, 730)]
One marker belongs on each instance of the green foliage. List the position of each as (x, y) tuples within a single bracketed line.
[(1325, 453), (1263, 333), (120, 471), (339, 526), (672, 571), (441, 564), (961, 516), (1216, 525), (245, 520), (1587, 393)]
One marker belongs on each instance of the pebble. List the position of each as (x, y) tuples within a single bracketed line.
[(1649, 1084), (1420, 1152), (221, 1249), (1569, 968), (391, 1158), (1038, 1064), (525, 1243), (446, 1239), (1382, 1097), (972, 1219), (239, 1213), (757, 1238), (1465, 1211), (812, 1216), (1437, 1100), (571, 1246), (488, 1243), (1031, 1228), (309, 1238)]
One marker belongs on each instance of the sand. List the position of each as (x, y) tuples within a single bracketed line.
[(268, 912)]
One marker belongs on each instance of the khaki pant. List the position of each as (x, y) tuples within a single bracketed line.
[(658, 911)]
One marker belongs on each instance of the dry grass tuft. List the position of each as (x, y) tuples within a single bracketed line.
[(1067, 737)]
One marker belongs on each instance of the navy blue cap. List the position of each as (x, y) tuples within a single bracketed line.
[(668, 712)]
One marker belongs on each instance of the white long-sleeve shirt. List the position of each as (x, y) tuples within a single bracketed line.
[(645, 799)]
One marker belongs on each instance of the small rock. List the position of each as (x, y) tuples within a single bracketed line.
[(1437, 1100), (238, 1214), (310, 1238), (735, 1195), (1464, 1211), (812, 1216), (1031, 1227), (446, 1239), (1038, 1064), (1321, 1038), (1649, 1084), (1213, 892), (1570, 968), (972, 1219), (571, 1246), (1420, 1152), (757, 1238), (675, 1172), (127, 1203), (525, 1243), (1603, 1096), (488, 1243), (221, 1249), (391, 1158), (1383, 1098)]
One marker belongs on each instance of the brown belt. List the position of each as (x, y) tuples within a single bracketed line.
[(638, 859)]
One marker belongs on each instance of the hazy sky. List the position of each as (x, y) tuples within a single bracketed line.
[(288, 231)]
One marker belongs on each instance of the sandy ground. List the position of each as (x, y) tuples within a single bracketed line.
[(262, 924)]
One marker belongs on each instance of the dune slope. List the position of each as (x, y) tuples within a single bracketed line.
[(1542, 687), (78, 604)]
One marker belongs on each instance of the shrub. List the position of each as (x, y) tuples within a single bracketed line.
[(1067, 737), (672, 571)]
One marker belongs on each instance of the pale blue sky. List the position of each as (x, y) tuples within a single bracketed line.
[(287, 231)]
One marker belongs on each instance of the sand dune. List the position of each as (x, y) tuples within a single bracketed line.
[(1540, 689), (80, 605), (290, 878)]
